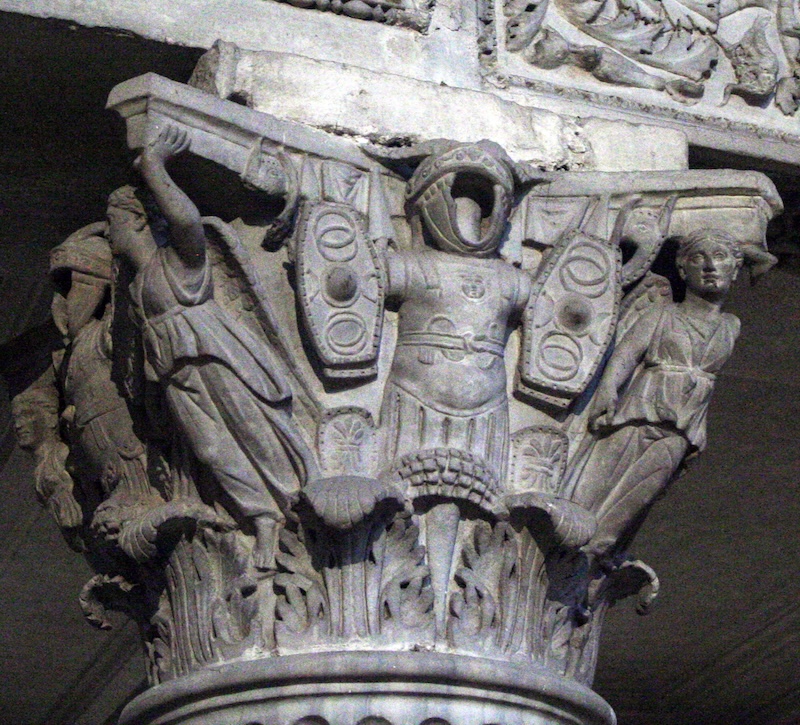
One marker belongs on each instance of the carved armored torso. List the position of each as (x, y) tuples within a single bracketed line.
[(447, 384), (453, 328), (106, 447)]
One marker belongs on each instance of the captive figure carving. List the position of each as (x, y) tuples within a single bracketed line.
[(297, 505), (106, 451), (36, 424), (100, 450)]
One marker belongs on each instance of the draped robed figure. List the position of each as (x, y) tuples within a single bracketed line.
[(649, 412), (225, 387)]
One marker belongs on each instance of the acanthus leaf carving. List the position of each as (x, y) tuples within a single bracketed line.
[(476, 605), (406, 596), (347, 442), (302, 611), (245, 503)]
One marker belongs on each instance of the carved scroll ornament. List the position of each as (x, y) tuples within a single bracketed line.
[(281, 443), (666, 45)]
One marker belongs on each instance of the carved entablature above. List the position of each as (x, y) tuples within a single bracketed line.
[(412, 14), (726, 72), (414, 400)]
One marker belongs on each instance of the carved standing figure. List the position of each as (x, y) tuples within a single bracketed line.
[(649, 411), (108, 456), (225, 387), (458, 303), (100, 448), (445, 408)]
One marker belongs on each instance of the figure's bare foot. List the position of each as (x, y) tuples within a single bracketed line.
[(266, 541)]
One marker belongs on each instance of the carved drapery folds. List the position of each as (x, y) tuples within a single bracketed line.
[(304, 429)]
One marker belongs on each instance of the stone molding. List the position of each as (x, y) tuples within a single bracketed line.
[(676, 64), (349, 687), (392, 414), (546, 55)]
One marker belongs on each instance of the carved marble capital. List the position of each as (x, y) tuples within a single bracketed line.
[(363, 434)]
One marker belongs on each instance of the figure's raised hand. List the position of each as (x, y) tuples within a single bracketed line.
[(186, 233), (170, 142)]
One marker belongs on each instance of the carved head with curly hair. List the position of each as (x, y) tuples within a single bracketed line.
[(709, 261)]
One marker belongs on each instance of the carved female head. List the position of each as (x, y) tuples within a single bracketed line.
[(128, 225), (709, 261)]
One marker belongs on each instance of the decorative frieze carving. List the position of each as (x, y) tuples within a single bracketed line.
[(683, 39), (404, 13), (723, 73), (296, 431)]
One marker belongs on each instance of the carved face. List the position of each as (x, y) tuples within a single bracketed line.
[(709, 269), (270, 177), (643, 227), (121, 227), (129, 235), (29, 425)]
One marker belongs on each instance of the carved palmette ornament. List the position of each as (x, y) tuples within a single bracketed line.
[(341, 288), (346, 439), (569, 321), (538, 459), (538, 464)]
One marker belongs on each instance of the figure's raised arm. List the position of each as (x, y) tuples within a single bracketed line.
[(186, 227)]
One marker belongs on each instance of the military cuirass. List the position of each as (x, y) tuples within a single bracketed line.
[(454, 316)]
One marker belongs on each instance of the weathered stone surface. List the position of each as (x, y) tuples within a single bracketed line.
[(622, 146), (374, 406), (360, 102), (723, 73), (364, 103), (414, 688), (446, 53)]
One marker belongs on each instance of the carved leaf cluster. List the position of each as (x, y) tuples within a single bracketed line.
[(677, 36), (406, 597), (475, 606), (302, 609)]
